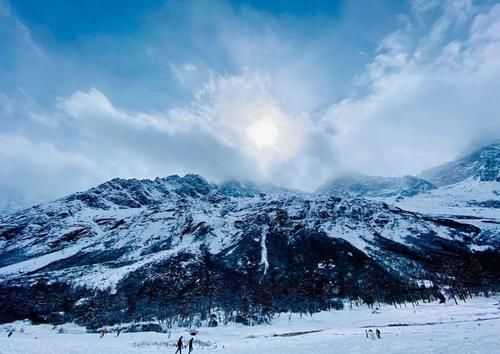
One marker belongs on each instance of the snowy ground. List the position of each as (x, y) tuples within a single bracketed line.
[(473, 327)]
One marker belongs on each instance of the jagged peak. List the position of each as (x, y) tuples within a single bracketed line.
[(481, 163)]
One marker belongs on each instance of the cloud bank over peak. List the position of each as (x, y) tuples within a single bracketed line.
[(423, 108), (235, 112), (248, 94)]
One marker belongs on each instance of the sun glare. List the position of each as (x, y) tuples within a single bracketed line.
[(263, 134)]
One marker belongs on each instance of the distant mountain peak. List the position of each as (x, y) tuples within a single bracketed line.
[(482, 164), (135, 193), (358, 185)]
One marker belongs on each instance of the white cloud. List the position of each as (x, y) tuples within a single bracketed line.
[(422, 111), (94, 105), (6, 105), (186, 73), (421, 6), (486, 26), (256, 97), (22, 31), (37, 168), (237, 111), (240, 112), (188, 67)]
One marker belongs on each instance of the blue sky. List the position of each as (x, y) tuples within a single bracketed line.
[(118, 41), (68, 20), (291, 92)]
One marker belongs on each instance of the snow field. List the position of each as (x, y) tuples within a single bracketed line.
[(472, 327)]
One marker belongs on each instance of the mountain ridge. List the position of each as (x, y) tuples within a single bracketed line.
[(357, 185), (181, 246), (482, 163)]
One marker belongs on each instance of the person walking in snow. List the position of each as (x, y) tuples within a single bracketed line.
[(377, 332), (101, 334), (179, 346), (10, 333), (190, 345)]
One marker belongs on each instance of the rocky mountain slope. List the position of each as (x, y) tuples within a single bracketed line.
[(180, 247), (481, 164), (469, 187)]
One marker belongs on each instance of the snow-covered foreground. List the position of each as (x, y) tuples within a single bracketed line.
[(473, 327)]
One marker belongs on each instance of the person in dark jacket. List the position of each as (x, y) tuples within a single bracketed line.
[(377, 332), (10, 333), (190, 345), (179, 346)]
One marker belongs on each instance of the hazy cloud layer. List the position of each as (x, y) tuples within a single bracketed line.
[(430, 97), (232, 92)]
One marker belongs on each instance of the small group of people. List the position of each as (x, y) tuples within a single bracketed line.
[(102, 332), (180, 345), (373, 335)]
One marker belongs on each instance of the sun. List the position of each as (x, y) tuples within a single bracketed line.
[(263, 133)]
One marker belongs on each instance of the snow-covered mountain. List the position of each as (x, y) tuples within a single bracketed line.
[(468, 186), (481, 164), (180, 246), (356, 185), (471, 179)]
